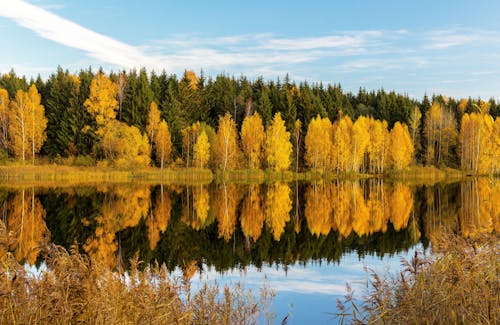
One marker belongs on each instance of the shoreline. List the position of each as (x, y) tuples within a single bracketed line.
[(82, 175)]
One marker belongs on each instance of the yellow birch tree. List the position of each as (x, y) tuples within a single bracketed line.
[(102, 103), (226, 151), (163, 143), (4, 119), (27, 123), (401, 146), (318, 143), (278, 146), (201, 150), (252, 140)]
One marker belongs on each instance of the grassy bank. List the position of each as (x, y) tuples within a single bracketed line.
[(73, 290), (73, 175), (47, 174), (426, 175), (458, 284)]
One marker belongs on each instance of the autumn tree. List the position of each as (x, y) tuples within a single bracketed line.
[(478, 143), (297, 139), (440, 133), (226, 151), (252, 213), (159, 217), (153, 120), (278, 146), (27, 124), (163, 143), (4, 119), (26, 221), (414, 125), (124, 145), (342, 144), (318, 209), (401, 146), (252, 140), (102, 103), (378, 146), (318, 143), (278, 207), (201, 150), (360, 139)]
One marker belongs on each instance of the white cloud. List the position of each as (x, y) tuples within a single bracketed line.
[(453, 37), (63, 31)]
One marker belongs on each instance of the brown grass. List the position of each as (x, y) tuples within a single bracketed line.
[(48, 175), (75, 290), (459, 284)]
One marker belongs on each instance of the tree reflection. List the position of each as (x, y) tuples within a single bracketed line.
[(225, 205), (480, 212), (175, 224), (26, 221), (252, 213), (360, 207), (122, 207), (157, 221), (278, 206)]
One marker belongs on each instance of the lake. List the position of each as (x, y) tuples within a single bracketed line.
[(305, 240)]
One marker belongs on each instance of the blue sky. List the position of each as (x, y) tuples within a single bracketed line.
[(448, 47)]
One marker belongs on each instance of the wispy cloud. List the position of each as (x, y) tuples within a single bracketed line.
[(239, 53), (456, 36), (63, 31)]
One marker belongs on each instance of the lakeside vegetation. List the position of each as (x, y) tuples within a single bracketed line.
[(136, 120), (72, 289), (457, 284)]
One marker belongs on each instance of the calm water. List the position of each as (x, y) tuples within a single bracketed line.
[(306, 240)]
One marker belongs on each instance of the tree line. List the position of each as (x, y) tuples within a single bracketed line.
[(138, 118)]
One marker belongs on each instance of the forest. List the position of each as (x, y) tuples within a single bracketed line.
[(140, 118)]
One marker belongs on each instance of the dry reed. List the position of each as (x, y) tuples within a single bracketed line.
[(75, 290), (458, 284)]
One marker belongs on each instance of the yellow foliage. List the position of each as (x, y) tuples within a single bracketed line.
[(27, 124), (226, 152), (378, 147), (102, 103), (124, 145), (26, 219), (480, 212), (4, 119), (252, 213), (123, 207), (157, 222), (201, 150), (479, 143), (278, 146), (401, 146), (226, 204), (252, 140), (360, 138), (153, 120), (278, 207), (342, 144), (163, 143), (318, 209), (401, 203), (318, 142)]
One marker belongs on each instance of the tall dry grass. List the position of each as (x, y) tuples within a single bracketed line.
[(75, 290), (458, 284)]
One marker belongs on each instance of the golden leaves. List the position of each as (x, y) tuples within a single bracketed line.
[(27, 123), (102, 103), (252, 140), (278, 146), (201, 150)]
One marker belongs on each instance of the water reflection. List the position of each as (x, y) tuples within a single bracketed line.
[(231, 226)]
